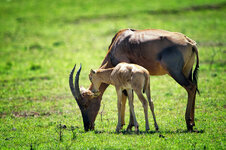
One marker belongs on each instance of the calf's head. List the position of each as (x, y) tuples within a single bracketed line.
[(95, 80)]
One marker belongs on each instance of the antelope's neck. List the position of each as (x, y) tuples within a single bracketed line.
[(104, 86)]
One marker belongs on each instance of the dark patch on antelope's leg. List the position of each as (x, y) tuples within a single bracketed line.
[(190, 76), (180, 78), (172, 59)]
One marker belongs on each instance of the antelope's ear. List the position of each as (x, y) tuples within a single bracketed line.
[(92, 71)]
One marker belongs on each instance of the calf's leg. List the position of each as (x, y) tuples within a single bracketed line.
[(131, 120), (145, 106), (151, 104), (130, 97)]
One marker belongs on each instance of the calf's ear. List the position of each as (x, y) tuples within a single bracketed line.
[(92, 71), (104, 66)]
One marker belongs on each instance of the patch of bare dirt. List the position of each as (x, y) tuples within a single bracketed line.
[(34, 114)]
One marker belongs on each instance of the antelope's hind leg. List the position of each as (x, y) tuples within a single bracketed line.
[(172, 59), (191, 90)]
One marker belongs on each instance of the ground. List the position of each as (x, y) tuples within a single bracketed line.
[(42, 40)]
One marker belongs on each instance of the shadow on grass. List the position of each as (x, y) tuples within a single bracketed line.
[(125, 132), (182, 131)]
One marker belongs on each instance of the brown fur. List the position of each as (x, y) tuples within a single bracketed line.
[(160, 52)]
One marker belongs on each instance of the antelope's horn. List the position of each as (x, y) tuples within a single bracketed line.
[(75, 89)]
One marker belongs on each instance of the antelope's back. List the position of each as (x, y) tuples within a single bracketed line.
[(143, 47)]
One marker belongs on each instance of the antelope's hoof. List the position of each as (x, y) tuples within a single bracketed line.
[(157, 128), (190, 128), (118, 129)]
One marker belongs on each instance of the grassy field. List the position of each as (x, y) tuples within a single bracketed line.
[(40, 41)]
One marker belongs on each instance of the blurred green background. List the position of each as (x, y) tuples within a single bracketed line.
[(40, 41)]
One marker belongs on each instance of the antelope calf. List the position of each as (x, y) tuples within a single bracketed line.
[(127, 77)]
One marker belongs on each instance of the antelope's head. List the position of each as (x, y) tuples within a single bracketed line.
[(88, 102)]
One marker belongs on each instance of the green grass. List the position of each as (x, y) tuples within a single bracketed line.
[(40, 41)]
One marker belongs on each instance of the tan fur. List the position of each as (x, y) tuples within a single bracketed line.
[(127, 77)]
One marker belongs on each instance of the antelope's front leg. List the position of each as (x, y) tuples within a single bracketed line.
[(123, 106), (119, 94)]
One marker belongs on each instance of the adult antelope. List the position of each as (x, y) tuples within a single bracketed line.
[(127, 77), (160, 52)]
